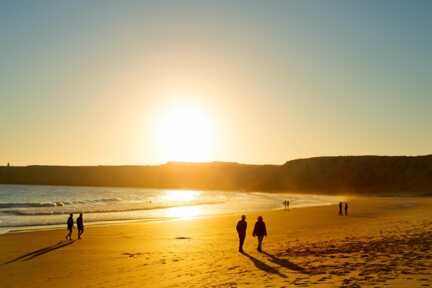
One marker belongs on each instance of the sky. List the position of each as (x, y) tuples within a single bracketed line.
[(90, 82)]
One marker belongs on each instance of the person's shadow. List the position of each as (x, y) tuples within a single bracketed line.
[(263, 266), (285, 263), (41, 251)]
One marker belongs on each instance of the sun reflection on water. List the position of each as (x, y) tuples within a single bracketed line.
[(180, 195), (183, 212)]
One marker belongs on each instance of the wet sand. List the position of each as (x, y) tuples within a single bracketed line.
[(382, 242)]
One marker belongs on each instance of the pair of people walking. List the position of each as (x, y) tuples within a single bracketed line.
[(70, 225), (259, 230), (341, 205)]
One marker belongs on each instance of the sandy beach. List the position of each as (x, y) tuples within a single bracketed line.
[(382, 242)]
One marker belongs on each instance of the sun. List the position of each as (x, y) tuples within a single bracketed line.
[(185, 133)]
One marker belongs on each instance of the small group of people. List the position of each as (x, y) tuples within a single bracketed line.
[(70, 225), (259, 231), (341, 206)]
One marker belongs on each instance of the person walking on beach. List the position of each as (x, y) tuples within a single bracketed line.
[(241, 230), (80, 225), (340, 208), (260, 231), (346, 208), (287, 204), (69, 227)]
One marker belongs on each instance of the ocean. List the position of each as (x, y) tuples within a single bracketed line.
[(40, 207)]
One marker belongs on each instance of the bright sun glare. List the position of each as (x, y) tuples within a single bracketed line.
[(180, 195), (185, 133)]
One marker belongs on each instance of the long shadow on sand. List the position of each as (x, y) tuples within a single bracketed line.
[(39, 252), (285, 263), (263, 266)]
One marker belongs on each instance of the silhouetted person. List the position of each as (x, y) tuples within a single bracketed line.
[(241, 230), (346, 208), (287, 204), (80, 225), (69, 227), (340, 208), (260, 231)]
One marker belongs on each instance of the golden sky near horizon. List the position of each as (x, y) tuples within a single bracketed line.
[(251, 82)]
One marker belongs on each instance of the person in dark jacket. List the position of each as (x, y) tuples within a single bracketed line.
[(241, 230), (69, 227), (340, 208), (80, 225), (260, 231), (346, 208)]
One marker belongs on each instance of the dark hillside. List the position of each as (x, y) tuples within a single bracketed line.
[(379, 175)]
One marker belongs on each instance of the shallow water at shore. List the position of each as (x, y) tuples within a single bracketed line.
[(34, 206)]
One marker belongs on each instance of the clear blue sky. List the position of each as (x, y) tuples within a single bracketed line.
[(84, 82)]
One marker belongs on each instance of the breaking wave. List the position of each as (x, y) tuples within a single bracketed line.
[(54, 204)]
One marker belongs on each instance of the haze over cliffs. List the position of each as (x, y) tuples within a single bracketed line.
[(379, 175)]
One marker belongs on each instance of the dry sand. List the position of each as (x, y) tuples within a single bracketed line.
[(383, 242)]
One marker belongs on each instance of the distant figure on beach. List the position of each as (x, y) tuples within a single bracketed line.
[(346, 208), (241, 230), (287, 204), (80, 225), (340, 208), (69, 227), (260, 231)]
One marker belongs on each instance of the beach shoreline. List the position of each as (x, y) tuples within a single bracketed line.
[(40, 207), (382, 241), (35, 228)]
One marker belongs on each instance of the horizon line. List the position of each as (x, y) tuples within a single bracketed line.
[(8, 164)]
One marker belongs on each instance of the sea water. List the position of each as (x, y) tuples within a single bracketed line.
[(37, 206)]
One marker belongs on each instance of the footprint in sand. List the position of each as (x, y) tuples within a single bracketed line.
[(132, 255)]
